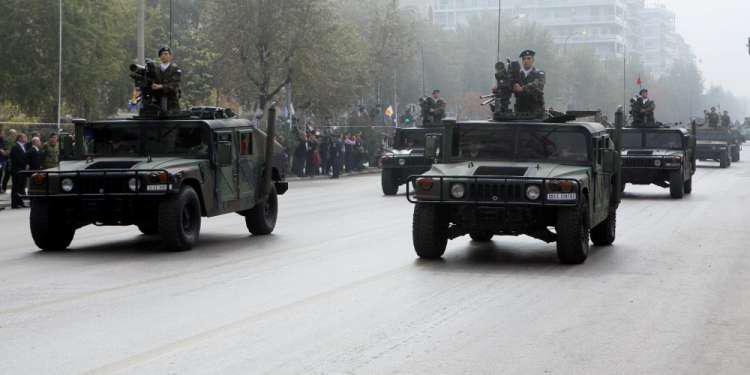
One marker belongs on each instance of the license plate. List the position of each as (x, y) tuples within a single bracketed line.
[(157, 188), (562, 197)]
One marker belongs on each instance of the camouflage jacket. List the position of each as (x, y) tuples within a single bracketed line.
[(50, 156), (531, 100)]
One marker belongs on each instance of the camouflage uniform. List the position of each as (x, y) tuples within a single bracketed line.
[(726, 121), (170, 80), (713, 120), (531, 99), (50, 156)]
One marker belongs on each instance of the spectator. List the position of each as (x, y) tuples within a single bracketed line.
[(349, 144), (9, 143), (336, 155), (18, 160), (3, 159), (300, 156), (34, 154)]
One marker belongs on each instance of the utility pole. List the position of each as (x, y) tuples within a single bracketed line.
[(141, 53), (59, 70), (499, 25)]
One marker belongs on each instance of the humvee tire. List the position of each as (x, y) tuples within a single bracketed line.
[(482, 236), (386, 180), (261, 219), (735, 154), (429, 231), (689, 186), (676, 185), (725, 162), (604, 234), (180, 220), (572, 235), (49, 231)]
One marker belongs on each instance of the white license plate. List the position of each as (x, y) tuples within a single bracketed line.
[(562, 196), (156, 188)]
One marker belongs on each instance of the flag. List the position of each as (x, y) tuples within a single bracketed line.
[(389, 111), (639, 82)]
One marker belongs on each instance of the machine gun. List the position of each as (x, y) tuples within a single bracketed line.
[(507, 75), (144, 76)]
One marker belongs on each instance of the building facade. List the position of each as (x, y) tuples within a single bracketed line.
[(612, 28)]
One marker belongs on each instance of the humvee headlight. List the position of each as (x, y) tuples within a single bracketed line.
[(402, 162), (134, 184), (533, 192), (657, 163), (458, 191), (66, 185)]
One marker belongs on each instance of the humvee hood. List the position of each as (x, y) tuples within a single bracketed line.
[(125, 163), (510, 169)]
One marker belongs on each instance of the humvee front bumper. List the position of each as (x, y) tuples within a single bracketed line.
[(98, 183), (494, 191)]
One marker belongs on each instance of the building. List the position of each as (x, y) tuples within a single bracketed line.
[(612, 28)]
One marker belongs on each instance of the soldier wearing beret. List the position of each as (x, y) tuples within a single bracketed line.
[(166, 86), (530, 90)]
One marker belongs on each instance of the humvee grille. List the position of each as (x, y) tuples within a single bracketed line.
[(97, 184), (497, 191), (637, 163)]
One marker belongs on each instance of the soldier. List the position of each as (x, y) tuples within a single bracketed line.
[(647, 108), (166, 86), (530, 90), (435, 109), (713, 118), (51, 152), (726, 121)]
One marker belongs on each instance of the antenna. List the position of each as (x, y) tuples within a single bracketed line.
[(499, 25)]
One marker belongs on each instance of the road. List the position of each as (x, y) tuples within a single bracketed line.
[(338, 289)]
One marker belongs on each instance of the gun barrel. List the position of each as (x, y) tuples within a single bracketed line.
[(488, 101), (487, 96)]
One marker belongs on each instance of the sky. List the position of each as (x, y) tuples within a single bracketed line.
[(718, 32)]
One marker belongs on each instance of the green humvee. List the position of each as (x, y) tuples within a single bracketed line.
[(662, 156), (406, 158), (718, 144), (519, 178), (161, 175)]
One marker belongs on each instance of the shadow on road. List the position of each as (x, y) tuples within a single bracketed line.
[(496, 256), (144, 247)]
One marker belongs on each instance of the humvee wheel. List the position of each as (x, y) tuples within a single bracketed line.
[(481, 236), (261, 220), (386, 180), (676, 185), (689, 186), (735, 154), (180, 220), (605, 233), (49, 231), (429, 231), (573, 234), (725, 162)]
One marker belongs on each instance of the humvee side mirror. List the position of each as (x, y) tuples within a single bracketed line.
[(224, 153), (432, 145)]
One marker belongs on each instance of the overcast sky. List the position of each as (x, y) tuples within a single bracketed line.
[(718, 31)]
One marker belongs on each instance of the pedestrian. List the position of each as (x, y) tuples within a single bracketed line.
[(19, 163), (336, 154), (300, 156), (34, 154), (51, 152), (7, 174), (4, 153), (530, 91), (325, 158)]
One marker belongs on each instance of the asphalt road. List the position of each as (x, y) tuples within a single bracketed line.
[(338, 289)]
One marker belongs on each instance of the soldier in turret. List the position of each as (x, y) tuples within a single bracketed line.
[(530, 90)]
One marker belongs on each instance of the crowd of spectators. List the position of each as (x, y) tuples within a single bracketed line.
[(20, 152), (330, 154)]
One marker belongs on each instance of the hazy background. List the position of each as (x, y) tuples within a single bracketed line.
[(718, 31)]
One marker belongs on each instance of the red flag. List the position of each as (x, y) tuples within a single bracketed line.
[(639, 82)]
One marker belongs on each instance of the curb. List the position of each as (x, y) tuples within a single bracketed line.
[(365, 172)]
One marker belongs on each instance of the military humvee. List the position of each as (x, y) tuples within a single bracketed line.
[(161, 175), (662, 156), (519, 178), (406, 158), (718, 145)]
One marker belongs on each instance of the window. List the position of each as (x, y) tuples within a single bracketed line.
[(246, 143)]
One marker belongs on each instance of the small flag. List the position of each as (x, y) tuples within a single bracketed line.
[(389, 111), (639, 82)]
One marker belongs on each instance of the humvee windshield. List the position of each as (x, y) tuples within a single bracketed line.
[(713, 135), (640, 139), (562, 145), (146, 139), (409, 139)]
